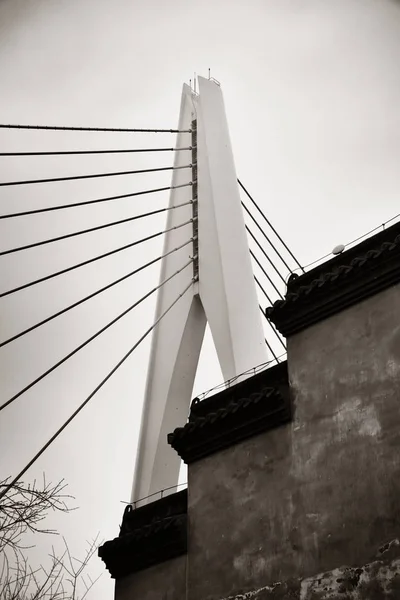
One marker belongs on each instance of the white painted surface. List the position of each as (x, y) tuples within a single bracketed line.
[(226, 282), (176, 341), (226, 291)]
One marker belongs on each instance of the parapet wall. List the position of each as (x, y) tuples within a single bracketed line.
[(321, 491), (294, 474)]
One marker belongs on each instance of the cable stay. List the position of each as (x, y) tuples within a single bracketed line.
[(80, 152), (93, 176), (267, 238), (92, 229), (91, 260), (272, 352), (78, 410), (265, 317), (265, 254), (96, 201), (270, 348), (266, 274), (270, 224), (109, 129), (262, 289), (96, 293), (94, 336)]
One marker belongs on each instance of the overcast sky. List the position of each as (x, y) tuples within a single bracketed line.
[(312, 90)]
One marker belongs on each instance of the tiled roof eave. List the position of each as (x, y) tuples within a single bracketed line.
[(229, 424), (149, 535), (359, 277), (131, 553)]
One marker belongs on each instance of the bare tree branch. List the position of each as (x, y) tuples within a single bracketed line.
[(23, 508)]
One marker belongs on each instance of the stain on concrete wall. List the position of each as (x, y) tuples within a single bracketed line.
[(378, 580), (320, 492)]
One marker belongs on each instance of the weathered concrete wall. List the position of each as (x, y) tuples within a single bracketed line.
[(165, 581), (320, 492), (378, 580)]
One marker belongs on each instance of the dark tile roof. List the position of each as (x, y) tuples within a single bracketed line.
[(149, 535), (356, 274), (239, 412)]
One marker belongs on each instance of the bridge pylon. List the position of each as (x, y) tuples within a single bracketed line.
[(223, 293)]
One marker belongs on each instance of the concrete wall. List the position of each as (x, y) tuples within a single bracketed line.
[(166, 581), (321, 492)]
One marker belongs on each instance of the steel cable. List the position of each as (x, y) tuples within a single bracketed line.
[(263, 312), (109, 129), (92, 176), (266, 274), (78, 410), (270, 224), (95, 201), (91, 260), (91, 229), (79, 152), (266, 237), (92, 295), (94, 336), (265, 254)]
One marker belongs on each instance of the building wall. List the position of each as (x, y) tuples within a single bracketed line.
[(165, 581), (320, 492)]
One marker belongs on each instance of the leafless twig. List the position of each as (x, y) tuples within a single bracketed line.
[(22, 510)]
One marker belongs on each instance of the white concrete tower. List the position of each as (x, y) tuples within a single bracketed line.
[(223, 294)]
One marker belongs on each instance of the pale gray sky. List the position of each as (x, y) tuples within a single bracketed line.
[(312, 90)]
